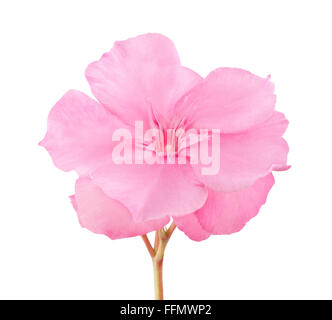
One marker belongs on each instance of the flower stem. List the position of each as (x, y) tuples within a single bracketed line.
[(158, 279), (157, 255), (148, 245)]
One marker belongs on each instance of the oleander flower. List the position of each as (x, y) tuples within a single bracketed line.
[(141, 80)]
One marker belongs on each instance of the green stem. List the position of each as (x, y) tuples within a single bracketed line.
[(157, 255), (158, 279)]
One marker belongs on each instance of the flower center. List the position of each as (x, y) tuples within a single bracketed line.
[(167, 142)]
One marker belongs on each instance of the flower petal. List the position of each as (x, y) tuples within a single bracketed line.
[(248, 156), (152, 191), (79, 132), (228, 212), (228, 99), (190, 226), (103, 215), (140, 78)]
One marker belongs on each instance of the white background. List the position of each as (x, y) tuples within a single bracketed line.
[(285, 252)]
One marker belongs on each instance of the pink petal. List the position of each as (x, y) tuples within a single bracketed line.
[(103, 215), (140, 77), (248, 156), (73, 201), (228, 212), (79, 132), (190, 226), (152, 191), (229, 99)]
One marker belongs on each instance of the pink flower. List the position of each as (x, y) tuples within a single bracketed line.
[(142, 79)]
